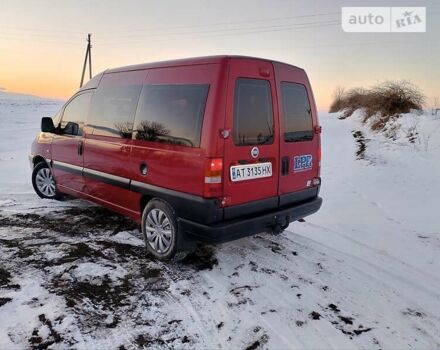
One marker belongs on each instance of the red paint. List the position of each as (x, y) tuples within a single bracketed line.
[(297, 181), (250, 190), (183, 168)]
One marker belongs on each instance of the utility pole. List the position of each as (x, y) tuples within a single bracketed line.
[(89, 58)]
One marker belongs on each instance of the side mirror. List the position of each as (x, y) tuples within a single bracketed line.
[(47, 125)]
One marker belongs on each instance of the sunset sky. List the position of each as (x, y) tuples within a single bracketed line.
[(42, 43)]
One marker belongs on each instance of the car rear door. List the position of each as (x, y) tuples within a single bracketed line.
[(299, 134), (67, 144), (251, 151)]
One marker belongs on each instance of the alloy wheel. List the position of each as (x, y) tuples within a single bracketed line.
[(158, 230), (45, 182)]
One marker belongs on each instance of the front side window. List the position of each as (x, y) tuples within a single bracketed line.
[(114, 104), (75, 114), (57, 117), (253, 114), (297, 114), (171, 114)]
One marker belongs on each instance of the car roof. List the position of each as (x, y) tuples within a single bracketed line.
[(190, 61)]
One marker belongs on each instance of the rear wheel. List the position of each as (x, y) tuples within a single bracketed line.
[(160, 229), (43, 182)]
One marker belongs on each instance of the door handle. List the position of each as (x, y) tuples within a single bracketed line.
[(285, 166), (80, 148)]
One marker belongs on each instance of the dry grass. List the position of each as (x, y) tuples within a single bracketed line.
[(338, 99), (385, 101)]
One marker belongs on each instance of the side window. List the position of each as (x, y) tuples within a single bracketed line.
[(171, 113), (253, 114), (114, 104), (297, 114), (75, 114)]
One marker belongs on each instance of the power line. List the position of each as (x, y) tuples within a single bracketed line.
[(219, 23), (233, 31), (62, 33), (51, 37), (46, 31), (35, 39), (259, 28)]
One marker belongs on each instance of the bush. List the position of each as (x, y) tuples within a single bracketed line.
[(338, 96), (384, 101)]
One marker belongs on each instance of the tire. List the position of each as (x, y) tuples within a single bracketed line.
[(43, 182), (159, 229)]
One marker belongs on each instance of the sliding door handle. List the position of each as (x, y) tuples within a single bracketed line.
[(143, 169), (80, 147), (285, 166)]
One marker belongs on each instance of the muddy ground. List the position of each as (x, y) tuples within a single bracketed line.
[(93, 268)]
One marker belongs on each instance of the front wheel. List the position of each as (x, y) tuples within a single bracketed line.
[(43, 182), (160, 229)]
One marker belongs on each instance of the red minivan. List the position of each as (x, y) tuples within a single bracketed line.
[(206, 149)]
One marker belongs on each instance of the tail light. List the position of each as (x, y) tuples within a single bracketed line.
[(213, 184), (316, 181)]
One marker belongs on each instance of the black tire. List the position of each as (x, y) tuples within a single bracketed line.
[(154, 244), (42, 167)]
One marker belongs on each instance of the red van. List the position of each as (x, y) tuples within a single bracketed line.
[(206, 149)]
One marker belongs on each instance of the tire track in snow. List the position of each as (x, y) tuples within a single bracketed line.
[(370, 271)]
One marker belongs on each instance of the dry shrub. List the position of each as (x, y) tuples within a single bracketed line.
[(394, 97), (385, 101), (355, 99), (338, 99)]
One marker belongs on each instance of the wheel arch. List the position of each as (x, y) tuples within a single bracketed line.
[(144, 201), (38, 159)]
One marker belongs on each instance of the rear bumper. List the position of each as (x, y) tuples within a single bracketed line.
[(249, 225)]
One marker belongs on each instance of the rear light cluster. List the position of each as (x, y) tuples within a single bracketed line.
[(319, 161), (316, 181), (213, 184)]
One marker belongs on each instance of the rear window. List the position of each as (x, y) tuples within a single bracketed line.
[(171, 114), (253, 115), (114, 104), (297, 114)]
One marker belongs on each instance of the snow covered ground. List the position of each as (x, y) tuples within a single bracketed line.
[(361, 273)]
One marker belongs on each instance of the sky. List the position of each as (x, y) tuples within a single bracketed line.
[(42, 43)]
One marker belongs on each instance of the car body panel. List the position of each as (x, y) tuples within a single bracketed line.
[(296, 180), (123, 173)]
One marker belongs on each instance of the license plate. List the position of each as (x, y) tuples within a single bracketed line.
[(302, 163), (250, 171)]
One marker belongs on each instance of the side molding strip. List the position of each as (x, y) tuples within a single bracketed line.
[(74, 169), (188, 206), (107, 178), (93, 174)]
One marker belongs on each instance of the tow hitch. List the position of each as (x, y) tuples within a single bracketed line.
[(280, 226)]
